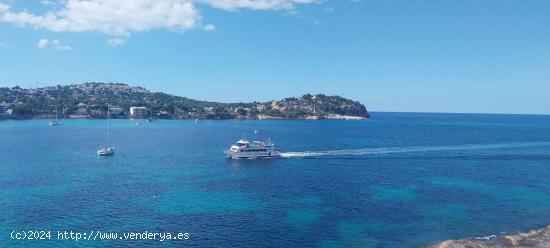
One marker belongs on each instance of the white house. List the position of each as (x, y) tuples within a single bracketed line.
[(115, 110), (138, 112)]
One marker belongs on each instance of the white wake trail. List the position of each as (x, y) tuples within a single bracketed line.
[(411, 149)]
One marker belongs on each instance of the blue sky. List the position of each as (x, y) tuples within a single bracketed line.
[(488, 56)]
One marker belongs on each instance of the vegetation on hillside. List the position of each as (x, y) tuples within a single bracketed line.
[(92, 99)]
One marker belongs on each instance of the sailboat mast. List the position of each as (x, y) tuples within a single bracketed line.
[(108, 127)]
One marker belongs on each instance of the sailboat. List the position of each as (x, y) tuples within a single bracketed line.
[(109, 149), (54, 122)]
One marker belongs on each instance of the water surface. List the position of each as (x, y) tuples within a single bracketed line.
[(397, 180)]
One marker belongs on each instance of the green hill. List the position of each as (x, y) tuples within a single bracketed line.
[(90, 100)]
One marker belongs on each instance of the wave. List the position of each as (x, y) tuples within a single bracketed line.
[(410, 149)]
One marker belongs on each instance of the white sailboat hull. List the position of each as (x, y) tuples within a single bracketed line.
[(106, 151)]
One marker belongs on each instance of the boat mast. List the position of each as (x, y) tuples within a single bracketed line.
[(108, 127), (56, 113)]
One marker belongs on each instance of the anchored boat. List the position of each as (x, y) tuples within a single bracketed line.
[(109, 149), (56, 121)]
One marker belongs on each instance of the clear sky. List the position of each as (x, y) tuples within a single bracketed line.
[(489, 56)]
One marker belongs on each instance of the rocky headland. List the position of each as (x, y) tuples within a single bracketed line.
[(539, 238)]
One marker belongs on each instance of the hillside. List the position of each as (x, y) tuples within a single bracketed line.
[(90, 100)]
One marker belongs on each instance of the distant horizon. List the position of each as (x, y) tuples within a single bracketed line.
[(457, 113), (489, 56)]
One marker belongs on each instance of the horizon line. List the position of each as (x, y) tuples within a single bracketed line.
[(458, 113)]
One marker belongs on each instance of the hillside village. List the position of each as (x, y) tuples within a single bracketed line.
[(94, 100)]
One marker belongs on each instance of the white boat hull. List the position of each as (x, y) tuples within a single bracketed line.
[(106, 151), (252, 155)]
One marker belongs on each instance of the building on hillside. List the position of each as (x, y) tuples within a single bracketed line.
[(209, 110), (163, 113), (4, 108), (115, 110), (97, 112), (260, 107), (138, 112), (81, 110), (241, 111)]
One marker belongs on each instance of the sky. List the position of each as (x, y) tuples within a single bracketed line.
[(467, 56)]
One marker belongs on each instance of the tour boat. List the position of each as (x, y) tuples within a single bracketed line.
[(254, 149)]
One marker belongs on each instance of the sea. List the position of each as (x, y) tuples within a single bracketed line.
[(395, 180)]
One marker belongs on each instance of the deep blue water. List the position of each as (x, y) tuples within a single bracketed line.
[(396, 180)]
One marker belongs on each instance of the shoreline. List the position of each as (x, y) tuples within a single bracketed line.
[(177, 119), (261, 118), (534, 238)]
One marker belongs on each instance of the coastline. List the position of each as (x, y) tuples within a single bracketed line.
[(95, 101), (260, 117), (176, 119), (534, 238)]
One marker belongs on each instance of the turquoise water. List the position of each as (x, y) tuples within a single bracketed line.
[(397, 180)]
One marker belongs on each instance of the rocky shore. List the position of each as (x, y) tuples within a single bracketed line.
[(539, 238)]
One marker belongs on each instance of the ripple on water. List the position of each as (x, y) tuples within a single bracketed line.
[(13, 200), (529, 197), (353, 234), (193, 201), (388, 193), (302, 219), (310, 200)]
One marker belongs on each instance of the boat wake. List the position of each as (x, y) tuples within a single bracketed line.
[(411, 149)]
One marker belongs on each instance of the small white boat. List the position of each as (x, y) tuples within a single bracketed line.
[(106, 151), (54, 122), (138, 123), (109, 149), (254, 149)]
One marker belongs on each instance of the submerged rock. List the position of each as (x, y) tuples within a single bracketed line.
[(535, 238)]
